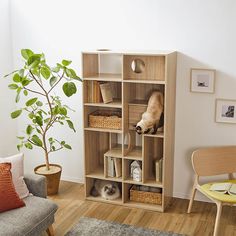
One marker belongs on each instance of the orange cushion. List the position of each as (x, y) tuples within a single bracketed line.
[(9, 199)]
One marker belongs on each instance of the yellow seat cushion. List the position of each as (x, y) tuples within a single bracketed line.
[(223, 197)]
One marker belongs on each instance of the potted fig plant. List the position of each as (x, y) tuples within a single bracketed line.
[(37, 81)]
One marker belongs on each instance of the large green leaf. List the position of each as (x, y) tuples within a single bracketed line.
[(39, 120), (39, 131), (63, 111), (26, 53), (67, 146), (20, 137), (21, 72), (29, 145), (31, 115), (45, 72), (55, 110), (55, 69), (25, 82), (51, 140), (69, 88), (66, 62), (19, 146), (34, 60), (36, 140), (29, 129), (15, 114), (39, 104), (71, 125), (68, 73), (47, 120), (53, 80), (17, 78), (72, 74), (35, 71), (25, 92), (31, 102), (18, 94), (13, 86)]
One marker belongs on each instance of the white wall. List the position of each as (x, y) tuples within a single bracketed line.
[(7, 105), (202, 31)]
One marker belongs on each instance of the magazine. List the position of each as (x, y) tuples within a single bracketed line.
[(225, 188)]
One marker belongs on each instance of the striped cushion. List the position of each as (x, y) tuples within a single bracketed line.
[(9, 199)]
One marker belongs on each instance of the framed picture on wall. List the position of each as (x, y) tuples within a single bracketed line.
[(202, 81), (225, 111)]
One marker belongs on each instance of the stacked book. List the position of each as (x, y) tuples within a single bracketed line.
[(94, 92), (99, 92), (114, 167)]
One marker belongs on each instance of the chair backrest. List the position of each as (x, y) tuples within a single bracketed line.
[(214, 160)]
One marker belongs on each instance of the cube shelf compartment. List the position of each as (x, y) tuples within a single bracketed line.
[(133, 76)]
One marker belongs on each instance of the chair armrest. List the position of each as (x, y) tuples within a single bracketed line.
[(36, 184)]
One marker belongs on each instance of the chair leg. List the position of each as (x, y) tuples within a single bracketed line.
[(50, 231), (192, 198), (217, 221)]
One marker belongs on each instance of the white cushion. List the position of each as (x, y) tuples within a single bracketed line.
[(17, 171)]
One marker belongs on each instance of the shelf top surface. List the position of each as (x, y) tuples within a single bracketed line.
[(115, 103), (103, 130), (129, 52), (114, 152), (104, 76)]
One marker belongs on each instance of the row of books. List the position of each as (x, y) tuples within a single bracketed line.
[(99, 92), (114, 167)]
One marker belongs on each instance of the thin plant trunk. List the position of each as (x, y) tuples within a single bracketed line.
[(46, 151), (47, 161)]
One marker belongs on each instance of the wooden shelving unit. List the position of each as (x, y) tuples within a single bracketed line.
[(131, 93)]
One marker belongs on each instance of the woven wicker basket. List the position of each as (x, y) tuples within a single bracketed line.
[(105, 119), (145, 197)]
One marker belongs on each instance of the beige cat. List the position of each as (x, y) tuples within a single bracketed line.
[(153, 117), (106, 189)]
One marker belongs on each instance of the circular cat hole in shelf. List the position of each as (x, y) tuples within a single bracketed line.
[(103, 50), (137, 65)]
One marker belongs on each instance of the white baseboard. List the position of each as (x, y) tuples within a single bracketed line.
[(72, 179), (198, 197)]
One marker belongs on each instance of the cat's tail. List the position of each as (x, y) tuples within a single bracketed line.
[(94, 192)]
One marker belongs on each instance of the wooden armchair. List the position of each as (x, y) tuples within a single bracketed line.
[(210, 162)]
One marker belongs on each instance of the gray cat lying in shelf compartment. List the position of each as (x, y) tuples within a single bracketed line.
[(153, 117), (106, 189)]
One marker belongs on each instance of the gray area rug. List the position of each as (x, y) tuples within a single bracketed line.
[(94, 227)]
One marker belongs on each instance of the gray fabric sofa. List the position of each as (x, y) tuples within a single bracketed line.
[(37, 216)]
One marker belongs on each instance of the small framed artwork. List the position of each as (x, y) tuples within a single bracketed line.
[(225, 111), (202, 81)]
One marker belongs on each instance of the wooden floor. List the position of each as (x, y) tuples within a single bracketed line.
[(72, 206)]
